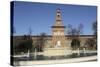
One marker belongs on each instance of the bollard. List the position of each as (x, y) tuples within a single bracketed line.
[(78, 52)]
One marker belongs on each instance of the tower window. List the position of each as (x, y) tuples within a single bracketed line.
[(58, 15)]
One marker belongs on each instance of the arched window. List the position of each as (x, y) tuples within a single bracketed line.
[(75, 44)]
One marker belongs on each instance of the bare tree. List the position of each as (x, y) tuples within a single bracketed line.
[(25, 44), (30, 31), (40, 43), (80, 29), (69, 29), (75, 44), (74, 31), (94, 27), (74, 35), (90, 44)]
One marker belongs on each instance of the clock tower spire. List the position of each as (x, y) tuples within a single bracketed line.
[(58, 18), (58, 35)]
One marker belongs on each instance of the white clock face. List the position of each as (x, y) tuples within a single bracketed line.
[(58, 14), (58, 22)]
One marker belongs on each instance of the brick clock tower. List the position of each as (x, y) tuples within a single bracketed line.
[(58, 35)]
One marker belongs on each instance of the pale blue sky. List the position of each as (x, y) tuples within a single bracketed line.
[(41, 16)]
